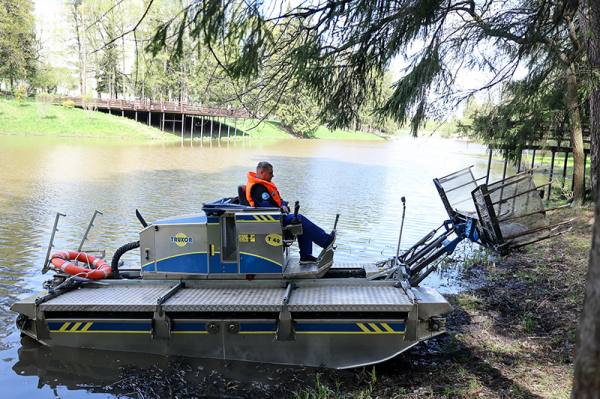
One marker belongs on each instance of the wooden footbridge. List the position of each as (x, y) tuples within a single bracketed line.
[(190, 120), (558, 147)]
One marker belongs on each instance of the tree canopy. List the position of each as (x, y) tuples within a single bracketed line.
[(340, 49), (18, 46)]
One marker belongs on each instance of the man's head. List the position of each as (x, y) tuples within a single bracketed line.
[(264, 170)]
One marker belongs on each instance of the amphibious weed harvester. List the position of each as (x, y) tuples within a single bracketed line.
[(223, 284)]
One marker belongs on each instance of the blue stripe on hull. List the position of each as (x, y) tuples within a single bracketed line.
[(250, 264), (187, 263)]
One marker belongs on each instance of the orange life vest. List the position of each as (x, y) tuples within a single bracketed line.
[(271, 188)]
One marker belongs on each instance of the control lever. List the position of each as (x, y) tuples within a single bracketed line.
[(141, 218), (296, 209)]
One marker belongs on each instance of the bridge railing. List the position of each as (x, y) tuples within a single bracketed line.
[(155, 106)]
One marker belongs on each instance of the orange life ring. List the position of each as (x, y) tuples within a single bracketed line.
[(62, 261)]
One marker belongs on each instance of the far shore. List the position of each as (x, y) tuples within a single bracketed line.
[(30, 118)]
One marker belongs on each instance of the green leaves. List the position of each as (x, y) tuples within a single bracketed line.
[(18, 45)]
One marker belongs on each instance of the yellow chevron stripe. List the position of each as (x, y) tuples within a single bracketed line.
[(75, 326), (64, 327), (387, 327), (363, 327), (87, 326), (374, 327)]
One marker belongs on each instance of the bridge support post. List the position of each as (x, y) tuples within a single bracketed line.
[(202, 129), (211, 128), (136, 119), (220, 124), (182, 125), (551, 174), (228, 127), (149, 118), (564, 174), (162, 123), (192, 129), (235, 127)]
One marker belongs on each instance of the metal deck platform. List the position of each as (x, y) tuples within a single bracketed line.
[(252, 296)]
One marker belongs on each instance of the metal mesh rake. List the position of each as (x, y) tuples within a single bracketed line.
[(510, 212)]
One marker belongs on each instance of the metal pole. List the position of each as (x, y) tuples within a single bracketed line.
[(149, 118), (235, 127), (396, 260), (504, 170), (162, 123), (90, 225), (202, 129), (489, 165), (136, 119), (45, 267), (211, 128), (228, 127), (533, 159), (220, 124)]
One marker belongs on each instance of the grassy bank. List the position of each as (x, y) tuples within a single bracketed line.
[(273, 130), (42, 119), (513, 336)]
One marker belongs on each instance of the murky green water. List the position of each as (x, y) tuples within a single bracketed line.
[(363, 181)]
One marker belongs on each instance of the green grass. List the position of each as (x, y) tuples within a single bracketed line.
[(256, 129), (270, 129), (42, 119), (328, 134)]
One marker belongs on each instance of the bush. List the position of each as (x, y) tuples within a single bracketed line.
[(68, 104), (20, 93)]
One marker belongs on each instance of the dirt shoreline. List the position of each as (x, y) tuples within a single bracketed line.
[(512, 336)]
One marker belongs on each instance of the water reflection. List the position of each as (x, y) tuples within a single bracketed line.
[(363, 181), (141, 376)]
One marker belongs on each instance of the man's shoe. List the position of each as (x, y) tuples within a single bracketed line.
[(307, 259)]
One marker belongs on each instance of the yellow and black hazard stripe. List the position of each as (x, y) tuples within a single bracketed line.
[(256, 219), (125, 327)]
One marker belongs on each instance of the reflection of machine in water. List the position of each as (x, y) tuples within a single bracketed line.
[(223, 285), (143, 375)]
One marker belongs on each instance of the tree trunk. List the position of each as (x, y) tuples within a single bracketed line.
[(576, 134), (593, 48), (586, 381)]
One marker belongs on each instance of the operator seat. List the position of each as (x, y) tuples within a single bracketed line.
[(242, 195)]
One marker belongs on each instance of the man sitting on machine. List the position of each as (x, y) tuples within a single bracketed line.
[(262, 192)]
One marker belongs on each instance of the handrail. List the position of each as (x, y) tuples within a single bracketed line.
[(149, 105)]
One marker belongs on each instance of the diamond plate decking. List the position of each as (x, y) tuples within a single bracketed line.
[(313, 296)]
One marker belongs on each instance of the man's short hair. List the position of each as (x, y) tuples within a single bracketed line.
[(264, 165)]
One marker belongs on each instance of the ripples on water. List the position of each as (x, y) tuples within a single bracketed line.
[(363, 181)]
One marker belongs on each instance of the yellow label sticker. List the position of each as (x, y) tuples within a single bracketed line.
[(274, 239), (247, 238)]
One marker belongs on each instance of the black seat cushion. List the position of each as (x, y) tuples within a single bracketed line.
[(242, 195)]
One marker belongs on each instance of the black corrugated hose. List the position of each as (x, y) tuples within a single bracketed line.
[(114, 264)]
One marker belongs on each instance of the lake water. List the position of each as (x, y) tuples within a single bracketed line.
[(362, 181)]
